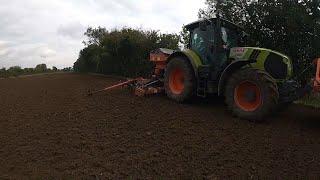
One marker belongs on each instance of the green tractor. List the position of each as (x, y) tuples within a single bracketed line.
[(254, 81)]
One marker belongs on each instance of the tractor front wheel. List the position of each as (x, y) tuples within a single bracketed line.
[(251, 94), (179, 80)]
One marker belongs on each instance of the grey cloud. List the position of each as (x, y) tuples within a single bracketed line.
[(124, 6), (25, 55), (73, 30), (5, 48), (44, 31)]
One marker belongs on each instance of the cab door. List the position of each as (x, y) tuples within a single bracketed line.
[(202, 42)]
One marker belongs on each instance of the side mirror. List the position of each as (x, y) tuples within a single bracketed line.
[(245, 35), (244, 38)]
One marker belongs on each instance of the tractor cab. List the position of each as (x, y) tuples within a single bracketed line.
[(213, 39)]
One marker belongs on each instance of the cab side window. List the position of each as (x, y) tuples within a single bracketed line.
[(198, 42), (203, 43)]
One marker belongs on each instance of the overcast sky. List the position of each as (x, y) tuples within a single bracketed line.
[(51, 31)]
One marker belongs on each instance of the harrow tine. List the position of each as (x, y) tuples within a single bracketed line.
[(132, 81)]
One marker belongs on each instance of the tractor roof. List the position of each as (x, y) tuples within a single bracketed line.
[(224, 22)]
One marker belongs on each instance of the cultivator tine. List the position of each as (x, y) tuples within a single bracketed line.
[(141, 87), (151, 83), (132, 81)]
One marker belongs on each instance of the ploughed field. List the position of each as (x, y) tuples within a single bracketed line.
[(49, 128)]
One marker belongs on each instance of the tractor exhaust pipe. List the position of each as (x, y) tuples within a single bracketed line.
[(316, 84)]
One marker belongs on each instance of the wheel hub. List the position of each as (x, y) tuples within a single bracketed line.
[(250, 96), (176, 81), (247, 96)]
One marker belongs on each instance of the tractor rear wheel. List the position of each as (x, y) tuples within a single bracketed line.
[(179, 80), (251, 94)]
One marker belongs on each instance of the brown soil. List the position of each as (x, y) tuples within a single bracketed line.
[(49, 128)]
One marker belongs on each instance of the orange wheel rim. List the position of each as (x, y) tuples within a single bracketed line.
[(176, 81), (248, 96)]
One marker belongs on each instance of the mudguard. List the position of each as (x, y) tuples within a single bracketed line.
[(189, 55), (232, 67)]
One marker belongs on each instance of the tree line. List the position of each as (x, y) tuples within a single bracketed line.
[(40, 68), (288, 26), (123, 52)]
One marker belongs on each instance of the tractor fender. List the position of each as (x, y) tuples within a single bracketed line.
[(190, 56), (228, 71)]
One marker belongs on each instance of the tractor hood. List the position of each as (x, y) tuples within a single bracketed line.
[(275, 63)]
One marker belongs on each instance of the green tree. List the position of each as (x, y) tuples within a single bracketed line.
[(41, 68), (122, 52), (3, 72), (94, 35), (184, 37), (14, 71), (170, 41), (28, 70), (67, 69)]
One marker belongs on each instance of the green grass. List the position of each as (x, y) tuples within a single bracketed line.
[(312, 100)]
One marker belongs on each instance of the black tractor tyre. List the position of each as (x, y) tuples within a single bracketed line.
[(251, 94), (172, 84)]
